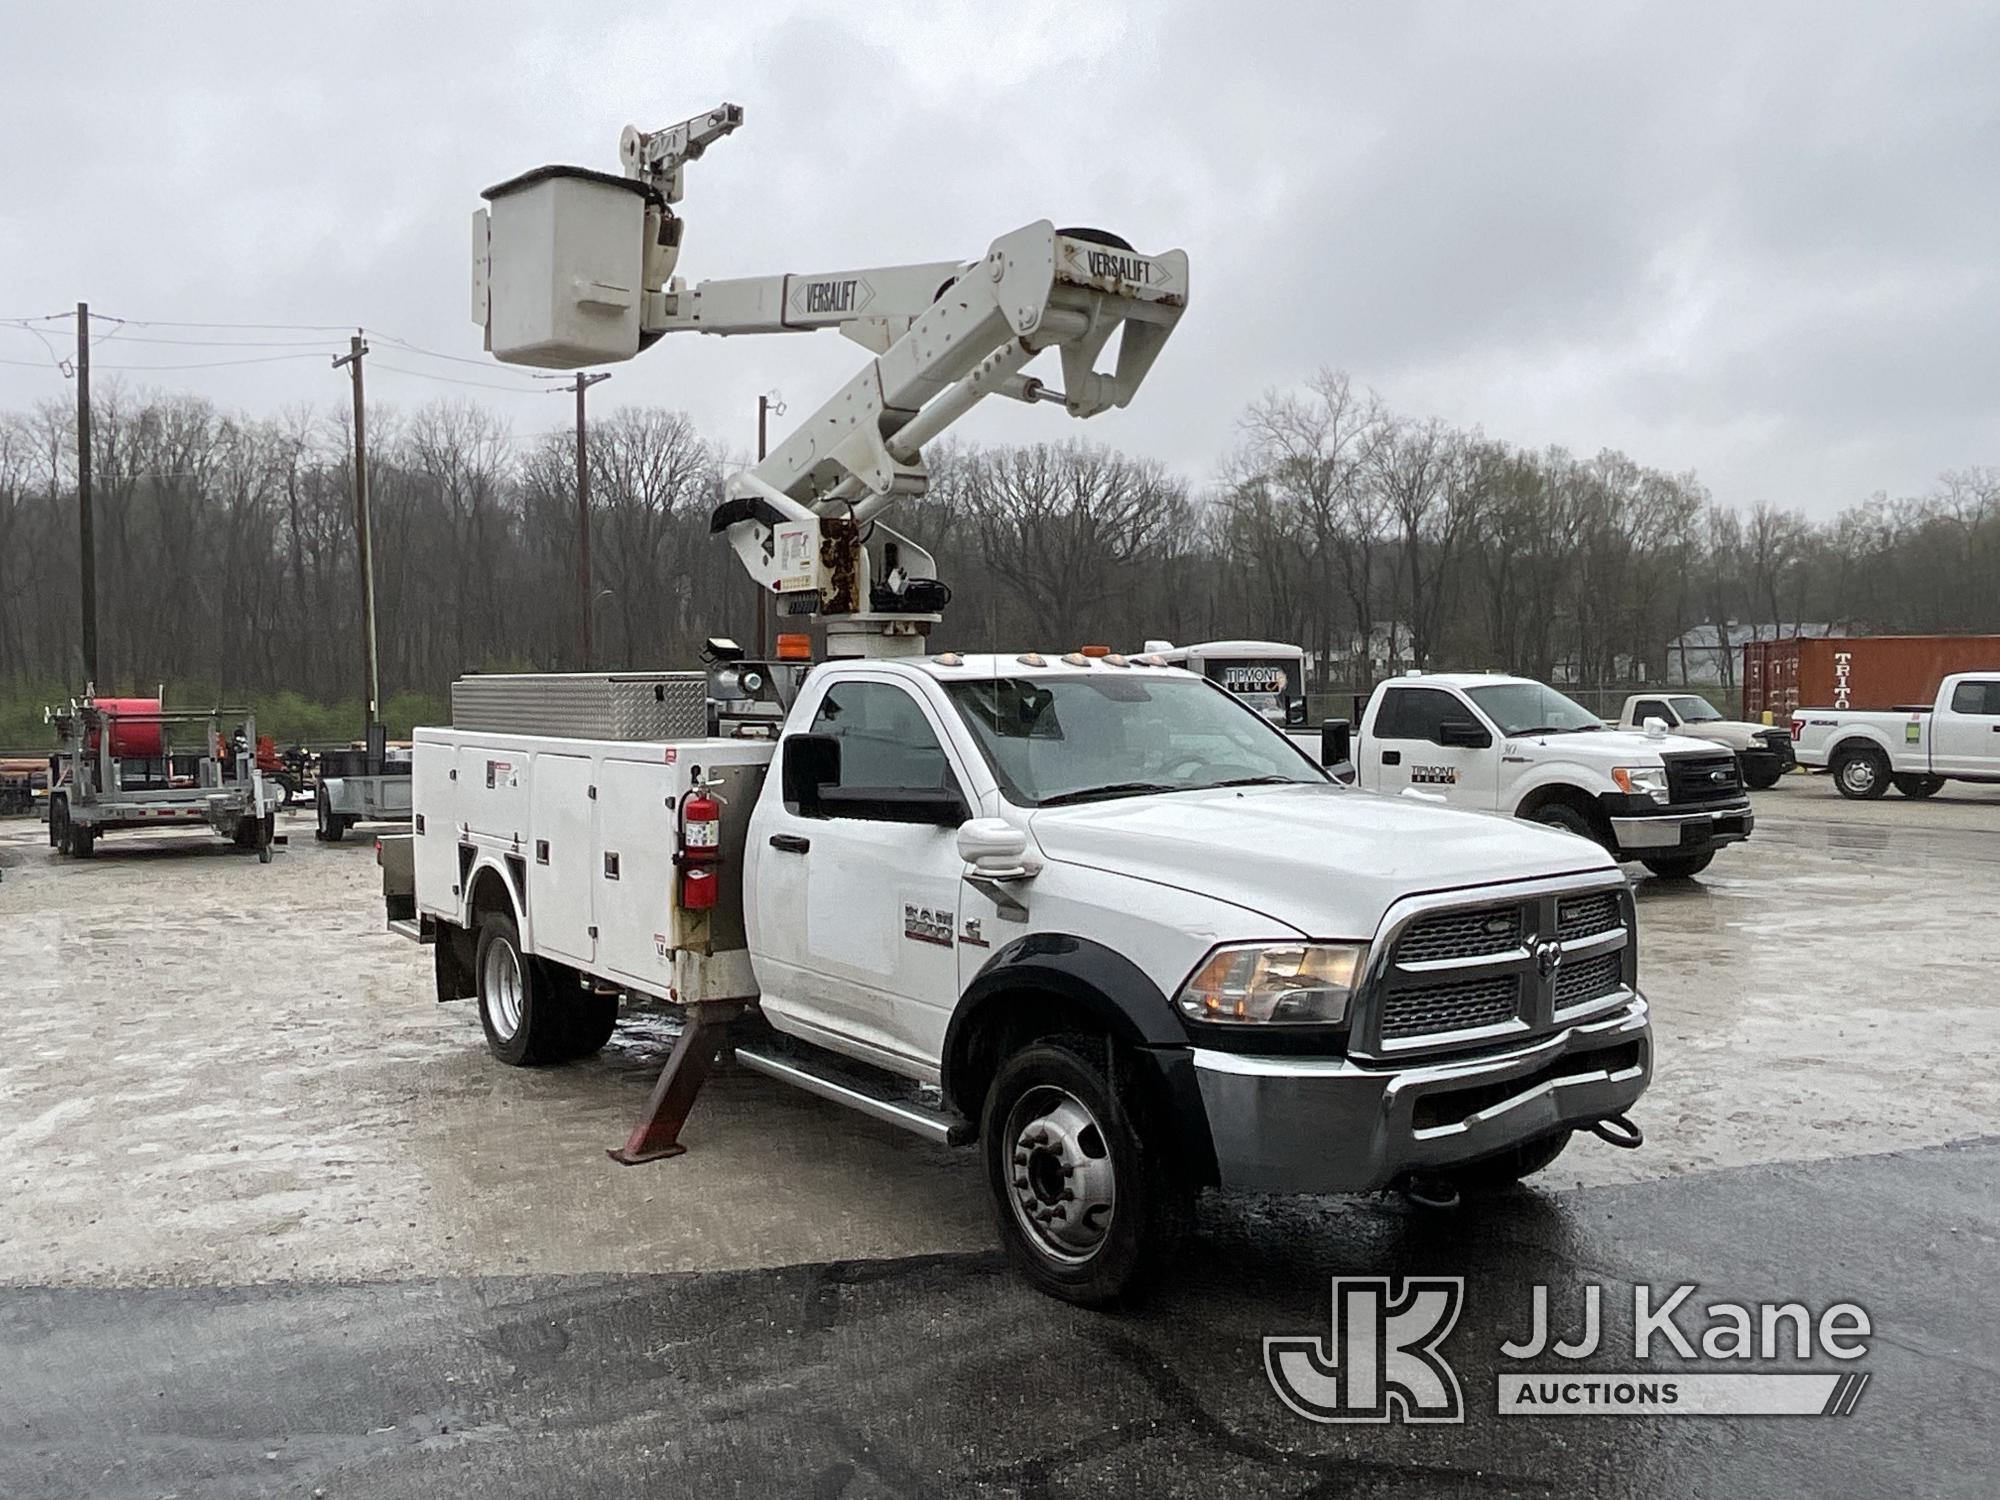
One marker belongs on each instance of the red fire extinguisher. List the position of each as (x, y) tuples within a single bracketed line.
[(701, 850)]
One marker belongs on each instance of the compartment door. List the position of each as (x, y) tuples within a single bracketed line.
[(635, 872), (562, 824)]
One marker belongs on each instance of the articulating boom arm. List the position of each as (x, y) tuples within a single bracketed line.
[(945, 335)]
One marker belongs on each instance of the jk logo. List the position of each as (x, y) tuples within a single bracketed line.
[(1381, 1363)]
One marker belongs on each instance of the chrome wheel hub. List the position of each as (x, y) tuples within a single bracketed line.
[(1062, 1187), (501, 985)]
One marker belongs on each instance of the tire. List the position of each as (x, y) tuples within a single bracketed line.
[(518, 1007), (1862, 774), (1918, 787), (589, 1023), (1562, 815), (331, 826), (267, 832), (1052, 1120), (82, 841), (1498, 1174), (1679, 866), (60, 827)]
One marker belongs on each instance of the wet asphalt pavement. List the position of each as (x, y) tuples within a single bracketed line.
[(944, 1376), (272, 1222)]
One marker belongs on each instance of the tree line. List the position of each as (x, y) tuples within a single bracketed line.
[(226, 557)]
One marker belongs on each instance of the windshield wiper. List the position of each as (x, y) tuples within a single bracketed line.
[(1113, 789), (1260, 781)]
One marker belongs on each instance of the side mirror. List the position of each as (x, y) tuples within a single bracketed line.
[(1336, 744), (1467, 734), (1656, 728), (996, 849), (812, 764)]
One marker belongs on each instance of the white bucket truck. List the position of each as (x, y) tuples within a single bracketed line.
[(1089, 913)]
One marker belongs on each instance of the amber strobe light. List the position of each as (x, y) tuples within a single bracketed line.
[(795, 648)]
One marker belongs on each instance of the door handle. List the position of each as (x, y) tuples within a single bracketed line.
[(1392, 757), (791, 843)]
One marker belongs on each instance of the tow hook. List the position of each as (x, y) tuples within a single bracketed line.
[(1619, 1131), (1429, 1192)]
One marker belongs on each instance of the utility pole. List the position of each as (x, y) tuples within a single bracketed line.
[(585, 599), (85, 535), (371, 681)]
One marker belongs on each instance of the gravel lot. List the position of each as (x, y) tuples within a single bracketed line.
[(214, 1072)]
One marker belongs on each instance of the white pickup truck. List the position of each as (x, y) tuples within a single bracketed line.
[(1513, 745), (1093, 913), (1915, 750), (1764, 753)]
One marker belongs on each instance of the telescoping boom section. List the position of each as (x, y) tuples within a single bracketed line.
[(573, 267)]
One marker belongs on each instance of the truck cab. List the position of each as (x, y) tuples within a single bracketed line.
[(1764, 753), (1516, 746), (1268, 676)]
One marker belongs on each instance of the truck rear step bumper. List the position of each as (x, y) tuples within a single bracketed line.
[(1330, 1125)]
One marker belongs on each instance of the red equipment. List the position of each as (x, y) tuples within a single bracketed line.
[(134, 726), (700, 851)]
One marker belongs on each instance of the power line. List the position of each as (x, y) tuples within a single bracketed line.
[(485, 385), (461, 359), (216, 364), (342, 328)]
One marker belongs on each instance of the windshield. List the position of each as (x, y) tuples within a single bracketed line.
[(1531, 708), (1695, 710), (1074, 739)]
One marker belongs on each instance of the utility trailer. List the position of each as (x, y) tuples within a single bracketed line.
[(368, 784), (129, 763)]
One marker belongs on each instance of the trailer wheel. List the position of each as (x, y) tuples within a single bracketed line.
[(1086, 1207), (59, 826), (1919, 787), (332, 826), (523, 1028), (267, 831), (1861, 773), (82, 841), (1496, 1174)]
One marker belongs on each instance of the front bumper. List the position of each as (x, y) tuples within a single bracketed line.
[(1667, 830), (1333, 1125), (1775, 755)]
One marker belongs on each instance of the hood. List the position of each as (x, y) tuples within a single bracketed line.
[(1734, 733), (1321, 859), (1616, 747)]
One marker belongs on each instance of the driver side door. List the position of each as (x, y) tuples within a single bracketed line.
[(872, 957), (1413, 752)]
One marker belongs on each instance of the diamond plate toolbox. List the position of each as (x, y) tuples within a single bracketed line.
[(584, 705)]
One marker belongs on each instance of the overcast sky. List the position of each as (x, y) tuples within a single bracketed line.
[(1755, 241)]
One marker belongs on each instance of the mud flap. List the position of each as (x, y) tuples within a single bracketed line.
[(452, 963)]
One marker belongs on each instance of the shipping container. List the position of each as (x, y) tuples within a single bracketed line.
[(1863, 672)]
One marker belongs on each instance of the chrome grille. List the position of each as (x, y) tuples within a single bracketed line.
[(1461, 934), (1702, 778), (1459, 1005), (1586, 916), (1591, 979), (1465, 976)]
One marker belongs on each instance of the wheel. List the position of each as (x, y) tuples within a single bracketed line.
[(267, 830), (517, 1006), (59, 826), (1569, 819), (332, 827), (1762, 781), (290, 787), (1086, 1207), (1678, 866), (1919, 787), (1496, 1174), (82, 841), (590, 1020), (1862, 774)]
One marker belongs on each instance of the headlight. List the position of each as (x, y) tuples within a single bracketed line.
[(1649, 780), (1280, 983)]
